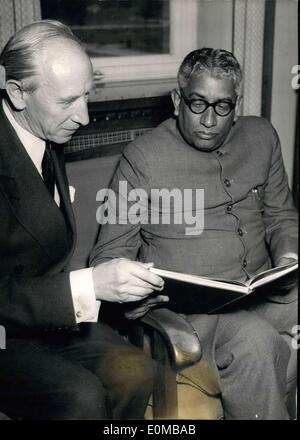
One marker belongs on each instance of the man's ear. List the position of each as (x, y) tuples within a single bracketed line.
[(16, 94), (176, 101), (238, 105)]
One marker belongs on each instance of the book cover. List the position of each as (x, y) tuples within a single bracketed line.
[(197, 294)]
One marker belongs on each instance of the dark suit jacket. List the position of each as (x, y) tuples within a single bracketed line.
[(37, 239)]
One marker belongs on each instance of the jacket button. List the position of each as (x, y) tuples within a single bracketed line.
[(78, 314), (244, 263), (229, 208), (227, 182), (240, 232)]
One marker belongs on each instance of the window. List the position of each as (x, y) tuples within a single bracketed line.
[(116, 28), (130, 40)]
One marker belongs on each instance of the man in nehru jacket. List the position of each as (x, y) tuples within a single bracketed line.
[(250, 225)]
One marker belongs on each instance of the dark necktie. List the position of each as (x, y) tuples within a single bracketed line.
[(48, 170)]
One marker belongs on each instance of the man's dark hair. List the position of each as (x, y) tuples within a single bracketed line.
[(218, 63)]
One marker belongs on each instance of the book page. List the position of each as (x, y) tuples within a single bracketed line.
[(272, 274), (203, 281)]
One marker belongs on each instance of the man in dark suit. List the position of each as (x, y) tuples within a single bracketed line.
[(250, 225), (56, 364)]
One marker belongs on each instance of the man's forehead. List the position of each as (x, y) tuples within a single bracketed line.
[(60, 56), (207, 84), (59, 68), (61, 90), (64, 67)]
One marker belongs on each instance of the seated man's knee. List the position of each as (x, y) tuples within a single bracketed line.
[(129, 369), (85, 400), (263, 340), (257, 341)]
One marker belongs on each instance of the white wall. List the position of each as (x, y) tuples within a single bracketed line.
[(215, 23), (283, 111)]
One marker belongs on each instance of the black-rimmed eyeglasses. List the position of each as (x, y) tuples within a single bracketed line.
[(198, 106)]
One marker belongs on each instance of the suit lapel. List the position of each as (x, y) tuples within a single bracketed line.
[(29, 199)]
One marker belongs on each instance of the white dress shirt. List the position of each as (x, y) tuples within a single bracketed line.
[(86, 308)]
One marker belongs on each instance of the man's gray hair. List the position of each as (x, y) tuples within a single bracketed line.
[(218, 63), (18, 56)]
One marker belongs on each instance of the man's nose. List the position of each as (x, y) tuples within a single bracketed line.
[(209, 118), (81, 114)]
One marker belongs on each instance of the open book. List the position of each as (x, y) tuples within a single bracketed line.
[(198, 294)]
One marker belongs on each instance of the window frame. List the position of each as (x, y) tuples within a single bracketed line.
[(183, 17)]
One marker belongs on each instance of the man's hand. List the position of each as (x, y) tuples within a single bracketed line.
[(121, 280), (146, 305)]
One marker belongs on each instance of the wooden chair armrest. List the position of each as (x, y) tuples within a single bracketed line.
[(181, 340)]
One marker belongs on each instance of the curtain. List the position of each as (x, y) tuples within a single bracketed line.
[(248, 44), (14, 14)]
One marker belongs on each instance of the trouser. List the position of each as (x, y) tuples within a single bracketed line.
[(89, 374), (250, 348)]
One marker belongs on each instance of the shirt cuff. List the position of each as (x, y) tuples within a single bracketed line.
[(86, 307), (289, 255)]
